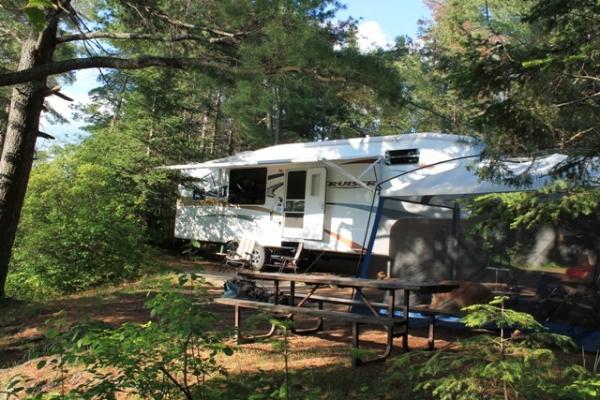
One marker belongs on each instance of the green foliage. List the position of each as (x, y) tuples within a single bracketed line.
[(79, 228), (480, 315), (302, 82), (521, 365), (361, 353), (581, 385), (506, 223), (35, 11), (526, 71), (168, 356)]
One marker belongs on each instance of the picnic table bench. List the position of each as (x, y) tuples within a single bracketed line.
[(305, 306)]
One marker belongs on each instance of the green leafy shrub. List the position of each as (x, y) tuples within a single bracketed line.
[(521, 365), (78, 229)]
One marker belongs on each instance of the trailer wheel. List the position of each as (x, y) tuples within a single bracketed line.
[(257, 259)]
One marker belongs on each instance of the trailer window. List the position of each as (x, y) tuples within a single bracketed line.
[(294, 199), (296, 184), (247, 186)]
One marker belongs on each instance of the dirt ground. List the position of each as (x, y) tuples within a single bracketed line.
[(22, 328)]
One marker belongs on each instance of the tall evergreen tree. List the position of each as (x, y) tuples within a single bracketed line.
[(225, 40)]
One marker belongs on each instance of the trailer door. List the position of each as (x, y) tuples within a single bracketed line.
[(304, 204), (314, 208)]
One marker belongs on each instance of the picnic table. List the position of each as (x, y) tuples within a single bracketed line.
[(395, 324)]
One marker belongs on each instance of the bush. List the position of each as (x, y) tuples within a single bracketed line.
[(78, 229), (519, 365)]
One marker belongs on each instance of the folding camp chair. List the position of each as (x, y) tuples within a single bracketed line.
[(288, 262), (242, 256)]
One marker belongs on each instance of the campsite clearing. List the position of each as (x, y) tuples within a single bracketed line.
[(321, 360)]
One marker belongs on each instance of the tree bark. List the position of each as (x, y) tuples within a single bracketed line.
[(151, 130), (26, 105), (215, 133), (117, 114)]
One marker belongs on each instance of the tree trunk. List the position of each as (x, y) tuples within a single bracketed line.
[(117, 114), (3, 128), (203, 131), (230, 140), (151, 131), (277, 125), (22, 129), (217, 107)]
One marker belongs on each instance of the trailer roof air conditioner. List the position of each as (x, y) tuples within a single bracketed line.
[(404, 156)]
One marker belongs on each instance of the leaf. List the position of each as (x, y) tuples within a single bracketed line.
[(282, 392), (41, 4), (51, 333), (36, 16), (35, 12), (41, 364), (228, 351), (84, 341)]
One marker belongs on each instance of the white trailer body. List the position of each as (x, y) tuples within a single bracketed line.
[(326, 193)]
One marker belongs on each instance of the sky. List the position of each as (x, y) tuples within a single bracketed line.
[(379, 23)]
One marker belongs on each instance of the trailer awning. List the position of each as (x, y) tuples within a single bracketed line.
[(350, 150), (223, 163)]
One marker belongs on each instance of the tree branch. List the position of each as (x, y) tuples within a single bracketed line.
[(168, 18), (568, 103), (314, 73), (60, 67), (9, 32), (63, 96), (56, 92), (182, 24), (588, 77), (185, 391), (45, 135), (146, 36), (579, 134)]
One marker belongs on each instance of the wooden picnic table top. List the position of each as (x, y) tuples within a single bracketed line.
[(383, 284)]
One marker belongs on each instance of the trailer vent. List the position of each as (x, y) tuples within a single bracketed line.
[(405, 156)]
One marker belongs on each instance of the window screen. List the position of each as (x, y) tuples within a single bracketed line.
[(247, 186)]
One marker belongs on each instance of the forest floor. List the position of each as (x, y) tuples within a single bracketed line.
[(320, 361)]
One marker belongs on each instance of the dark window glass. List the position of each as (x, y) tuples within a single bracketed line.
[(407, 156), (247, 186), (296, 185)]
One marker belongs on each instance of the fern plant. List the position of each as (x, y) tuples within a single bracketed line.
[(518, 363)]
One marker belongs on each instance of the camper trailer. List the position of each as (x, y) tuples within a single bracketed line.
[(398, 204), (341, 196)]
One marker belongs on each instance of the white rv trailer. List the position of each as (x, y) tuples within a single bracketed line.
[(327, 193)]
